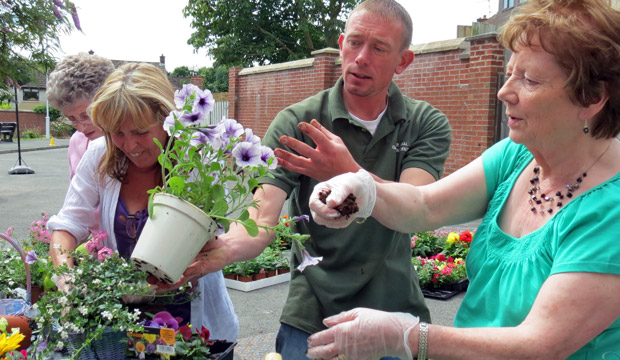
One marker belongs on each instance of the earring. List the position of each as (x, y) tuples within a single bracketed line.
[(586, 129)]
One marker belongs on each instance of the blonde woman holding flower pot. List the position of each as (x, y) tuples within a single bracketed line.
[(544, 267), (116, 173)]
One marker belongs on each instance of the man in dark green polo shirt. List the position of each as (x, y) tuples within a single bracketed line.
[(364, 121)]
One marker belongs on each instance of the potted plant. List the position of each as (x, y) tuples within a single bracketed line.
[(36, 250), (168, 339), (208, 171), (92, 314)]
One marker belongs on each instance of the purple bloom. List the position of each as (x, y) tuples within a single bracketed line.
[(150, 348), (165, 319), (193, 119), (266, 154), (308, 260), (57, 13), (251, 138), (213, 136), (180, 96), (59, 3), (31, 257), (300, 218), (169, 122), (247, 154), (231, 129), (203, 103), (76, 19)]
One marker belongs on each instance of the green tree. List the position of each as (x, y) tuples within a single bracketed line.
[(29, 31), (243, 32), (181, 71), (216, 79)]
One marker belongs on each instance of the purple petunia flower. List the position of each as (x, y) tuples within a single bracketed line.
[(231, 129), (184, 93), (31, 257), (308, 260), (193, 119), (169, 122), (165, 319), (247, 154), (301, 217), (213, 136), (204, 101), (251, 138), (266, 154)]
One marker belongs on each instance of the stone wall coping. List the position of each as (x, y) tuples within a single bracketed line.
[(440, 46), (278, 67)]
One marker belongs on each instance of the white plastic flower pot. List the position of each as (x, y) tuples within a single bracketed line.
[(172, 237)]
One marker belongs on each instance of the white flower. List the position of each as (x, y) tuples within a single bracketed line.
[(64, 334), (96, 281), (83, 310), (63, 300), (108, 315)]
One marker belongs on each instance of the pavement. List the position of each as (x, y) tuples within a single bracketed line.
[(24, 196)]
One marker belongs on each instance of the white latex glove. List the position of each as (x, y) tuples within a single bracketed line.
[(363, 334), (360, 184), (64, 282)]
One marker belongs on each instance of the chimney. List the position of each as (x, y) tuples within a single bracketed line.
[(162, 60), (197, 80)]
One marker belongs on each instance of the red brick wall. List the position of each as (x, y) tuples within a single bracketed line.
[(28, 120), (460, 83)]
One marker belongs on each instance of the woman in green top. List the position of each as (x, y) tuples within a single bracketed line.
[(544, 266)]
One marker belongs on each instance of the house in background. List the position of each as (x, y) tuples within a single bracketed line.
[(33, 93)]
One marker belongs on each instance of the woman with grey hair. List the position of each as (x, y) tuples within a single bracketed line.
[(71, 88)]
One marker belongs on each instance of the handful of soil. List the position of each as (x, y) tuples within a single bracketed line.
[(347, 208)]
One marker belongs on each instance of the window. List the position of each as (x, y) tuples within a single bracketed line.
[(31, 94), (509, 3)]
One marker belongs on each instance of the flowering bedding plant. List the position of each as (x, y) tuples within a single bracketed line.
[(447, 265), (439, 270), (94, 302), (214, 167), (36, 249), (189, 343), (9, 341)]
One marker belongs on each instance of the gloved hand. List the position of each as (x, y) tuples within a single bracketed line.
[(363, 334), (64, 282), (360, 184)]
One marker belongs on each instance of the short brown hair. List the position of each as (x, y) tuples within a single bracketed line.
[(584, 37), (389, 10), (141, 92)]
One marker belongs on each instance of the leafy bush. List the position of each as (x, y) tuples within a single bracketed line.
[(426, 243), (6, 106), (55, 114), (30, 134), (60, 130)]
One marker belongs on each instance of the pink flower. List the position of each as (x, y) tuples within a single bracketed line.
[(104, 253), (446, 271), (9, 231), (413, 244)]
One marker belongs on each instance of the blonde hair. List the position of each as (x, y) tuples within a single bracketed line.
[(140, 92), (584, 37)]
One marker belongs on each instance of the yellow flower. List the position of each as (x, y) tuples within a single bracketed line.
[(11, 343), (452, 238)]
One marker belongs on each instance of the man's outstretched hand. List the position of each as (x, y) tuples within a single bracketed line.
[(330, 157)]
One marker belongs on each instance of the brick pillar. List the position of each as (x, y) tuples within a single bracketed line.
[(326, 70), (233, 92), (197, 80)]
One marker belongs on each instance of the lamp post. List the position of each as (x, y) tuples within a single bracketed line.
[(19, 169), (47, 109)]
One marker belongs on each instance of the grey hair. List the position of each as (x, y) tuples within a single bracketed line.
[(77, 77)]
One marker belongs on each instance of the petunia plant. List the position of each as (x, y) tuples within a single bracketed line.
[(214, 167)]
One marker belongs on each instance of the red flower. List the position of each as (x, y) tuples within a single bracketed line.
[(450, 259), (440, 257), (186, 332), (466, 237), (204, 334)]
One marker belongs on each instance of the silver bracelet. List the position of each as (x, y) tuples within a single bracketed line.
[(422, 341)]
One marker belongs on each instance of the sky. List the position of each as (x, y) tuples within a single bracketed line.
[(142, 30)]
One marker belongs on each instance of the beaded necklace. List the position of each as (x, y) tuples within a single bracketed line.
[(544, 204)]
